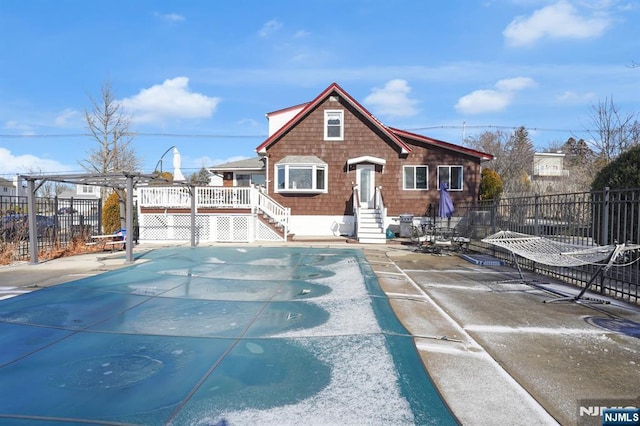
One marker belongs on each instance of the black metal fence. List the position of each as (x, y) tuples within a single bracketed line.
[(59, 221), (586, 218)]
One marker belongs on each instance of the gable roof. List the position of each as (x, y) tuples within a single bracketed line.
[(396, 136), (306, 110), (447, 145)]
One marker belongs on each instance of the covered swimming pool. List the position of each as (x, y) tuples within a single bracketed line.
[(215, 335)]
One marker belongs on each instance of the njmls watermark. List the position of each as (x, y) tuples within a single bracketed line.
[(609, 412)]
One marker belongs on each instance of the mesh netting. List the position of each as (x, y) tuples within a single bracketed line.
[(548, 251)]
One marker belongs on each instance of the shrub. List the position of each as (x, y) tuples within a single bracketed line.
[(490, 185), (111, 214), (621, 173)]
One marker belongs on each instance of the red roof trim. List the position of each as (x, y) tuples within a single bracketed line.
[(448, 145), (334, 87)]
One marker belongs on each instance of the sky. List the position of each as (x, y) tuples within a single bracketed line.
[(201, 75)]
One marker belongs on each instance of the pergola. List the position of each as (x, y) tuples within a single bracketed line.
[(119, 181)]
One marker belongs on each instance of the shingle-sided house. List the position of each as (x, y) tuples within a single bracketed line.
[(338, 168), (327, 168)]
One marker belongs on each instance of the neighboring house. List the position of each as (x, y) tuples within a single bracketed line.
[(548, 171), (239, 173), (87, 191), (7, 187), (80, 191), (338, 168)]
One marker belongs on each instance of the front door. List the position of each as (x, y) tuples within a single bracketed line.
[(366, 181)]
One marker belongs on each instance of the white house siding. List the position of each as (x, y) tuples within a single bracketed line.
[(321, 226)]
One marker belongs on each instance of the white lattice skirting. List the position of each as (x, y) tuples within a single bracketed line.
[(213, 228)]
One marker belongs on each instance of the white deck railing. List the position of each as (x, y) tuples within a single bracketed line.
[(206, 197), (216, 197), (165, 197), (278, 213), (220, 197)]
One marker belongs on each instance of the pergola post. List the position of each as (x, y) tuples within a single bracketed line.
[(129, 220), (192, 190), (33, 230)]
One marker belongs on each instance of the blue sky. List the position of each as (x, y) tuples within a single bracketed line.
[(201, 75)]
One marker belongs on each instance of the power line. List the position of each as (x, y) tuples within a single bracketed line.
[(168, 135), (229, 136), (491, 126)]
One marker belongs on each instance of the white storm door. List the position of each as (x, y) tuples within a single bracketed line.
[(366, 181)]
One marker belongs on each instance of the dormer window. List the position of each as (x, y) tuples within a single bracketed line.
[(333, 125)]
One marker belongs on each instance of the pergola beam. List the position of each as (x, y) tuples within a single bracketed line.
[(124, 180)]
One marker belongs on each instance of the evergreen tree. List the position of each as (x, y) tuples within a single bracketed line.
[(201, 178), (621, 173)]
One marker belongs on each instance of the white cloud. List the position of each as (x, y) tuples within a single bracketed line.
[(249, 122), (269, 28), (11, 164), (487, 100), (514, 84), (24, 129), (392, 100), (171, 17), (67, 117), (573, 97), (170, 100), (481, 101), (559, 20), (301, 34)]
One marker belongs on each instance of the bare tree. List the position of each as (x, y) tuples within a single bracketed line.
[(513, 157), (49, 189), (109, 126), (613, 131), (492, 143)]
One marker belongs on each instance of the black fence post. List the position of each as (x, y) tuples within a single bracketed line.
[(494, 214), (605, 217), (536, 215)]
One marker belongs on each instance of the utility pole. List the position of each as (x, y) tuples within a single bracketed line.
[(464, 124)]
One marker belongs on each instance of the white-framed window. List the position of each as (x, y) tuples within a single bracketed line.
[(87, 189), (452, 175), (301, 178), (333, 125), (248, 179), (415, 177)]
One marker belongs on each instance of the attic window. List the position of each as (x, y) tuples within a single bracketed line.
[(333, 125)]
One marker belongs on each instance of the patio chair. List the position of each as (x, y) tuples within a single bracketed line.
[(442, 238), (462, 234), (420, 235)]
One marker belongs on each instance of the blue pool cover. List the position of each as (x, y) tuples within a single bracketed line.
[(214, 336)]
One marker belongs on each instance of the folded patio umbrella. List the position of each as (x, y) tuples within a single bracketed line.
[(445, 208)]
